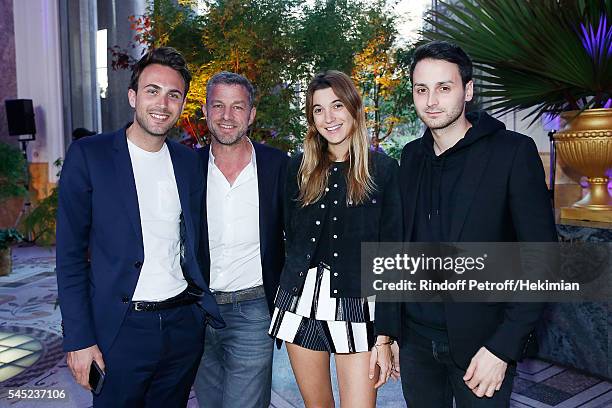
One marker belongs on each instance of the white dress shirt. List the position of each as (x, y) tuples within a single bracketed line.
[(161, 276), (233, 228)]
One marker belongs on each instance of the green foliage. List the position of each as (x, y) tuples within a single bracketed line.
[(9, 237), (40, 222), (534, 54), (382, 73), (254, 38), (12, 172), (279, 45), (332, 32)]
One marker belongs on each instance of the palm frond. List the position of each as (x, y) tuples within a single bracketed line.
[(545, 56)]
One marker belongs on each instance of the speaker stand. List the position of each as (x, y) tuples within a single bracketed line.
[(27, 204)]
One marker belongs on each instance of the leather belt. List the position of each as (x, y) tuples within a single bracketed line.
[(182, 299), (223, 298)]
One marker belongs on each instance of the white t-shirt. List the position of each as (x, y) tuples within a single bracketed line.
[(161, 276)]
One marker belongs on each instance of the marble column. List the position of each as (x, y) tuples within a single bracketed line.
[(8, 76), (79, 26), (37, 51), (113, 16)]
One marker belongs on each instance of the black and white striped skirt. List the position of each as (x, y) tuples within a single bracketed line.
[(316, 321)]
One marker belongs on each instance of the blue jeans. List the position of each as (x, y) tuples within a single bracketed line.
[(236, 368), (431, 378)]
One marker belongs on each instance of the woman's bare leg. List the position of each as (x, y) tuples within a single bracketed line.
[(311, 370), (356, 389)]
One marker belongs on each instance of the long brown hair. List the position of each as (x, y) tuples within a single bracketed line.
[(313, 172)]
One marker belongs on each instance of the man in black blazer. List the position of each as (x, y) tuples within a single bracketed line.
[(241, 248), (468, 179)]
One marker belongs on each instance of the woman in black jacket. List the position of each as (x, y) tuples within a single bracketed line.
[(339, 194)]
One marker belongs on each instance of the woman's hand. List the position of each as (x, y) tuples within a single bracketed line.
[(395, 369), (381, 355)]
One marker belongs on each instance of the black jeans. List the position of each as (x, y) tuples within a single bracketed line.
[(430, 377)]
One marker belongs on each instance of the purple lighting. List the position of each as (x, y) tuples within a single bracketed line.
[(598, 42)]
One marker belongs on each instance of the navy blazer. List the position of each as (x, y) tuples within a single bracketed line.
[(99, 238), (271, 173)]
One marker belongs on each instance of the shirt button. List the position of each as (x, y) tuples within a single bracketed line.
[(374, 201), (335, 169), (335, 273), (335, 185), (335, 202), (335, 236), (313, 239), (301, 273), (294, 289), (335, 218), (335, 254), (335, 291), (307, 256), (322, 205), (326, 188), (318, 222)]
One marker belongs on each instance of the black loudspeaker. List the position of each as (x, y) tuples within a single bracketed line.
[(20, 117)]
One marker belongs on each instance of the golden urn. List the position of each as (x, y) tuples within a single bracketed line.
[(585, 145)]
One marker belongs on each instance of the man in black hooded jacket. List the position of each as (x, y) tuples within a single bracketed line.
[(468, 179)]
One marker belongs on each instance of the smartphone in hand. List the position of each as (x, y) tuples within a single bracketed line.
[(96, 378)]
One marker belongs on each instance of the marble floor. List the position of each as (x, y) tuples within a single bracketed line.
[(31, 359)]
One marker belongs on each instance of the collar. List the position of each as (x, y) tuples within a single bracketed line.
[(211, 156)]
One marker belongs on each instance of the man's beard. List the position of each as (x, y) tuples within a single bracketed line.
[(229, 142), (448, 120), (143, 124)]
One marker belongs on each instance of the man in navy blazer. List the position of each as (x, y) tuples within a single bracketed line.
[(242, 249), (132, 296)]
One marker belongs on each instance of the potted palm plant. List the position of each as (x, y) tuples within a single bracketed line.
[(12, 184), (550, 57), (8, 237)]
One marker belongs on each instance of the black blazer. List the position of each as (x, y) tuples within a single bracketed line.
[(271, 174), (502, 198), (378, 219)]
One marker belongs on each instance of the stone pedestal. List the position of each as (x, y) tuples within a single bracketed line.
[(578, 335)]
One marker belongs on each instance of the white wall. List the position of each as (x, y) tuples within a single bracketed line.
[(37, 49), (538, 131)]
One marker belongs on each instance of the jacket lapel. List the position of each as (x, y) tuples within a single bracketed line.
[(126, 182), (411, 180), (181, 176), (476, 163), (265, 193), (204, 248)]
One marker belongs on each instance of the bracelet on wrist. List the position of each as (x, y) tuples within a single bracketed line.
[(388, 343)]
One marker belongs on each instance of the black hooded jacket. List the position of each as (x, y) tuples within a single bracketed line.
[(436, 204), (489, 187)]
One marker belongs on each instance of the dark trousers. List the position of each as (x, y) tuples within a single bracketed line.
[(430, 377), (154, 359)]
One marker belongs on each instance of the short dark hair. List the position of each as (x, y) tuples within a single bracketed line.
[(166, 56), (446, 51), (231, 78)]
